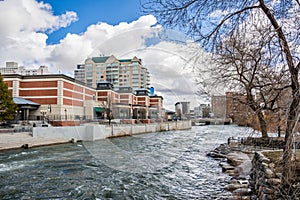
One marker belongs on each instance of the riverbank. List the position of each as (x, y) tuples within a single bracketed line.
[(25, 140), (95, 131), (256, 170), (45, 136), (236, 161)]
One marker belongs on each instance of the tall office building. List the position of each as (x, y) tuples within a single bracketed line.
[(182, 109), (79, 73), (119, 72)]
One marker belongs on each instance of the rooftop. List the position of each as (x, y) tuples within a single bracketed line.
[(100, 59), (22, 101)]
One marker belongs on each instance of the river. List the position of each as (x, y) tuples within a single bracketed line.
[(163, 165)]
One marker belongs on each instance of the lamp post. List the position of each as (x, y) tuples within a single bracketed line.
[(131, 111), (49, 109), (65, 114), (43, 112)]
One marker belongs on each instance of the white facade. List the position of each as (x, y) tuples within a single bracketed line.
[(119, 72), (13, 68)]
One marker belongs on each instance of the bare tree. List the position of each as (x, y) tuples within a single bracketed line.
[(243, 64), (208, 22)]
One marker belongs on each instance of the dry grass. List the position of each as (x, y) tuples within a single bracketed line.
[(274, 156)]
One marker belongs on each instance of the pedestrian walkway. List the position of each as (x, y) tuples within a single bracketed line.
[(25, 140)]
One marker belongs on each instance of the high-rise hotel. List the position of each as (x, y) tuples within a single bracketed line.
[(119, 72)]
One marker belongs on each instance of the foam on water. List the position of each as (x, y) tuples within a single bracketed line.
[(163, 165)]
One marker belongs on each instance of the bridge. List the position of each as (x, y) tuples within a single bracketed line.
[(211, 121)]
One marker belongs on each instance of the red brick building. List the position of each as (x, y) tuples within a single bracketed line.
[(63, 98), (237, 109)]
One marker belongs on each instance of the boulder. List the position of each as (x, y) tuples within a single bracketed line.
[(237, 158), (242, 191)]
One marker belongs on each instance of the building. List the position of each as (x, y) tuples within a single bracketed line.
[(119, 72), (156, 110), (182, 109), (232, 105), (59, 96), (63, 99), (202, 111), (218, 106), (237, 108), (14, 68), (79, 73)]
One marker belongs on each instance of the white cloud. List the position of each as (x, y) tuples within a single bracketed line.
[(23, 25), (25, 34)]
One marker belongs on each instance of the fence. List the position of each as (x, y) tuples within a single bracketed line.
[(271, 142)]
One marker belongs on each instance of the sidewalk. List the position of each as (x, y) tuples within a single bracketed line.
[(25, 140)]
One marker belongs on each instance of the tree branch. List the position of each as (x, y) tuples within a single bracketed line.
[(227, 17)]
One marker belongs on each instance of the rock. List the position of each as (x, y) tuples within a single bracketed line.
[(278, 175), (232, 187), (221, 164), (215, 155), (234, 181), (268, 191), (245, 168), (242, 191), (243, 182), (274, 181), (269, 173), (237, 158), (265, 160), (271, 165), (231, 172), (227, 167)]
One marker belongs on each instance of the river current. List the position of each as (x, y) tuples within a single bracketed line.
[(162, 165)]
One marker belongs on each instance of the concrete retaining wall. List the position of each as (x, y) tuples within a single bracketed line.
[(97, 132), (84, 133)]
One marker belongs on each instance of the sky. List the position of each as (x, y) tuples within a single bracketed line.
[(63, 33)]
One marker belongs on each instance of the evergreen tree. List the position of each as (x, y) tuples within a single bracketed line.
[(7, 106)]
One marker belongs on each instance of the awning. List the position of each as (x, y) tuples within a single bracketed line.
[(25, 103), (99, 109)]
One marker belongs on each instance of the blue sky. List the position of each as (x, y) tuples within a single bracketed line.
[(91, 12)]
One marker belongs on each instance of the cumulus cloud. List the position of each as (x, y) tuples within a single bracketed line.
[(168, 55), (101, 38), (24, 25)]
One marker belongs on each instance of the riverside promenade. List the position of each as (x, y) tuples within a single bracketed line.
[(25, 140), (44, 136)]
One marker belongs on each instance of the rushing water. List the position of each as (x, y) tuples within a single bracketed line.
[(164, 165)]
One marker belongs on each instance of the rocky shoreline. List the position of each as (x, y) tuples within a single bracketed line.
[(235, 161)]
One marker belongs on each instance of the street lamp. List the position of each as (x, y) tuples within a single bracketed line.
[(49, 108), (18, 113), (65, 114), (43, 112), (131, 111)]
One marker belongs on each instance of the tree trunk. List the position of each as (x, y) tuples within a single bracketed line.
[(287, 167), (262, 124), (259, 114), (288, 159)]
